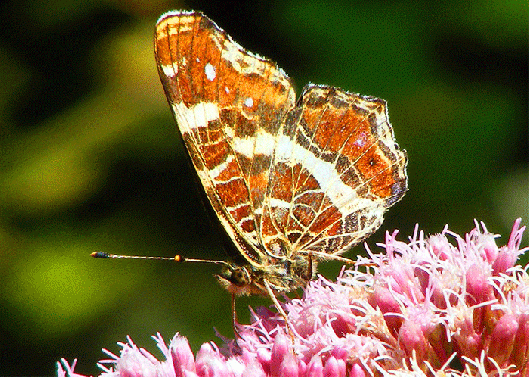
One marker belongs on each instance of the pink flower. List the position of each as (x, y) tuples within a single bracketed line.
[(442, 304)]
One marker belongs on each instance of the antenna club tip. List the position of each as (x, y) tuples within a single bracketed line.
[(99, 254)]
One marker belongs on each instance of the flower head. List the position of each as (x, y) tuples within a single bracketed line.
[(432, 306)]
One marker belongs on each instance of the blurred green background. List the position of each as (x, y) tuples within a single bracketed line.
[(90, 158)]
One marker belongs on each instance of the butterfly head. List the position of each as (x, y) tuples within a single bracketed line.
[(239, 280)]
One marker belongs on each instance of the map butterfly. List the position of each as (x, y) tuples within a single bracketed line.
[(292, 182)]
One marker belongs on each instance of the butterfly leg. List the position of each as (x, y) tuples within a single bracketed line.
[(310, 272), (272, 295), (234, 316)]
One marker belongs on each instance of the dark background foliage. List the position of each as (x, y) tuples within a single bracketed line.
[(90, 158)]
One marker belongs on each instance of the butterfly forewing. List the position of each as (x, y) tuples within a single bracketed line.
[(229, 105)]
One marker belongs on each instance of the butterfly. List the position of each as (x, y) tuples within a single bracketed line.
[(291, 182)]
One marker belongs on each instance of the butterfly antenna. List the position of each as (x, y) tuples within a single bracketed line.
[(176, 258)]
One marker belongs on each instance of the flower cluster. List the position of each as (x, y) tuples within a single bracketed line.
[(442, 305)]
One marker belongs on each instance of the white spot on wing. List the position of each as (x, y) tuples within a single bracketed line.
[(248, 102), (217, 170), (361, 140), (261, 143), (210, 72), (229, 132), (273, 202), (170, 70), (196, 116)]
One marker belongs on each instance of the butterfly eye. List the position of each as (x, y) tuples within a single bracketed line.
[(241, 276)]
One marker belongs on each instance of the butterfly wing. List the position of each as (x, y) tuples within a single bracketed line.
[(228, 104), (336, 170)]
